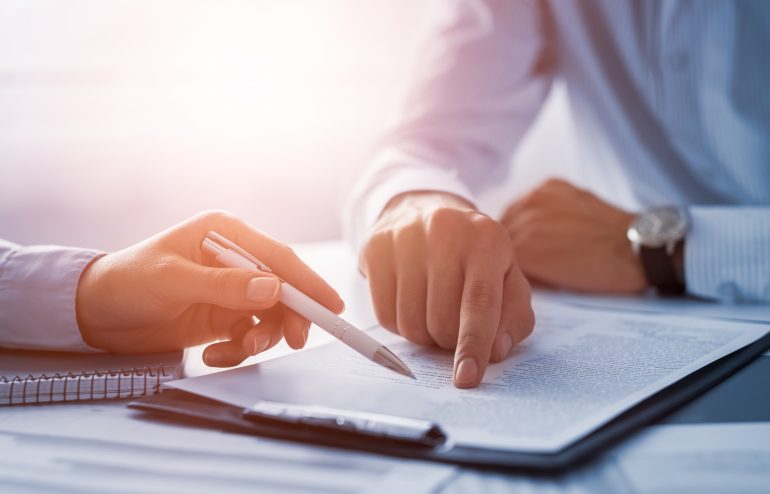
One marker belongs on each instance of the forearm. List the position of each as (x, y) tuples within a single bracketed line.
[(38, 287), (394, 174), (478, 89)]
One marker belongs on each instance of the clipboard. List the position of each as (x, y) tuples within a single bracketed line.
[(424, 440)]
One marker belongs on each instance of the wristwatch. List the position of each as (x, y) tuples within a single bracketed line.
[(655, 236)]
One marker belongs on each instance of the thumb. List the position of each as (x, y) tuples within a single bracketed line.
[(232, 288)]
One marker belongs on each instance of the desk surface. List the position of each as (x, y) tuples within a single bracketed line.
[(744, 397)]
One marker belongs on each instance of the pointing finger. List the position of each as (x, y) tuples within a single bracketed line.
[(479, 319)]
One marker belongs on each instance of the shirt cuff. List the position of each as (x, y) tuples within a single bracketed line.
[(402, 173), (38, 286), (727, 253)]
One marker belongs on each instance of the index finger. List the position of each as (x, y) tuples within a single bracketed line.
[(279, 257), (479, 318)]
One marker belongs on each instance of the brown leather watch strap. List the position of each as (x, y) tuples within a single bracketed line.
[(660, 272)]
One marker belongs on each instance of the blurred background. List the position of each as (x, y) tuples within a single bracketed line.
[(120, 118)]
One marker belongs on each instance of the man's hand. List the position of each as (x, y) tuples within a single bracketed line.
[(442, 273), (165, 293), (568, 238)]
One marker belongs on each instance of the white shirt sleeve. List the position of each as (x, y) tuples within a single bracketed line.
[(727, 253), (482, 81), (38, 286)]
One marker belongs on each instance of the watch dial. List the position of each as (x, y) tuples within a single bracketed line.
[(657, 227)]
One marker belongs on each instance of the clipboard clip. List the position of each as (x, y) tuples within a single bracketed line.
[(364, 424)]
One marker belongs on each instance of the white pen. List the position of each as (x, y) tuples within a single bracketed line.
[(231, 255)]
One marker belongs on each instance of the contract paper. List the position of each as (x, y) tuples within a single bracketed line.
[(684, 306), (578, 370)]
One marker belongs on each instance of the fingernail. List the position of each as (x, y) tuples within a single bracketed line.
[(261, 343), (467, 372), (261, 289), (503, 345), (212, 357), (304, 336)]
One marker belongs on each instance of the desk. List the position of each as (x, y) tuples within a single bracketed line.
[(195, 459)]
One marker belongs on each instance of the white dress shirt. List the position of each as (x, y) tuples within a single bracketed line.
[(38, 286), (674, 93)]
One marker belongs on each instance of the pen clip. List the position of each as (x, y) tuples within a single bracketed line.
[(223, 241), (373, 425)]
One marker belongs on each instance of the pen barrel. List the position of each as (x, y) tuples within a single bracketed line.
[(233, 260), (328, 321)]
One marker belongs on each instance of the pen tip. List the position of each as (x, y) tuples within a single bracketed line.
[(388, 359), (404, 371)]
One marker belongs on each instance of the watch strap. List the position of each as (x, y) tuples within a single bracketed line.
[(659, 270)]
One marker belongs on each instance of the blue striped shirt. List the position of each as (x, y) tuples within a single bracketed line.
[(676, 93)]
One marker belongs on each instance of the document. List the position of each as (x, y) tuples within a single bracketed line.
[(685, 306), (578, 370)]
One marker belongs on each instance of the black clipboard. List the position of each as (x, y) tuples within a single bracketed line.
[(180, 405)]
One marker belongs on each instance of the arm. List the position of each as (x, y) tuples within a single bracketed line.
[(161, 294), (481, 81), (566, 237), (37, 296), (439, 271), (727, 253)]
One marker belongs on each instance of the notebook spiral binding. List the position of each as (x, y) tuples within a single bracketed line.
[(96, 385)]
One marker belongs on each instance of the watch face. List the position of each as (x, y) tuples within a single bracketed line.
[(658, 227)]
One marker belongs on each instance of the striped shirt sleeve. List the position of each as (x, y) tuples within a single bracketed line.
[(727, 253)]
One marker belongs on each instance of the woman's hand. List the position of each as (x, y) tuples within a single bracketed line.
[(165, 293)]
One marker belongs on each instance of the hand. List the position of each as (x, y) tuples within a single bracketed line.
[(569, 238), (442, 273), (165, 293)]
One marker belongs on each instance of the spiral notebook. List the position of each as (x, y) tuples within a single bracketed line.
[(30, 377)]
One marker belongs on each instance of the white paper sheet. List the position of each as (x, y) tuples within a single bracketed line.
[(703, 458), (104, 448), (579, 369), (683, 306)]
